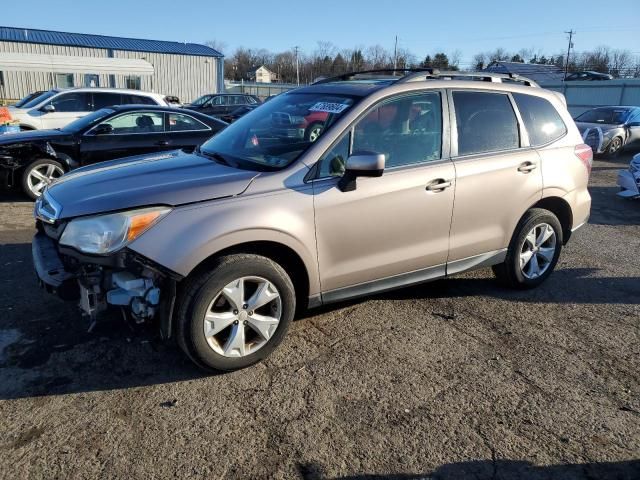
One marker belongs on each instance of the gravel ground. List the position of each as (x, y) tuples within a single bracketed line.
[(454, 379)]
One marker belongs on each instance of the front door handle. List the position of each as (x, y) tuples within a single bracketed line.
[(162, 143), (438, 185), (527, 167)]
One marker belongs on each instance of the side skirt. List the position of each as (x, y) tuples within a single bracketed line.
[(411, 278)]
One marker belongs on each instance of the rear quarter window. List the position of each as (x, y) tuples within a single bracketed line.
[(542, 121)]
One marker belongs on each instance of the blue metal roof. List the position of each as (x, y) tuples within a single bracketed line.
[(29, 35)]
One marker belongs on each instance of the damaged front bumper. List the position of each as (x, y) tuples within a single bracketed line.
[(143, 291)]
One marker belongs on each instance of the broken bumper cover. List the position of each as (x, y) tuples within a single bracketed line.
[(629, 183), (50, 269)]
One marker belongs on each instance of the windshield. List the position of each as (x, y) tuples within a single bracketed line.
[(39, 99), (87, 120), (29, 97), (612, 116), (275, 134), (201, 100)]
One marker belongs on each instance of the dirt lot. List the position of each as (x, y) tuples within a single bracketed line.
[(454, 379)]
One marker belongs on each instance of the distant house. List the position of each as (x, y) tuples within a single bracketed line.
[(262, 74), (534, 71)]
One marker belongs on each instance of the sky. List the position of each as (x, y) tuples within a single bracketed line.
[(422, 26)]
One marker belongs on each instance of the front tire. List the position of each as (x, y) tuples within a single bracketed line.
[(38, 174), (236, 313), (533, 251), (615, 147)]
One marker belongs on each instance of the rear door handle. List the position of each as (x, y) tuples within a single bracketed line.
[(527, 167), (163, 143), (438, 185)]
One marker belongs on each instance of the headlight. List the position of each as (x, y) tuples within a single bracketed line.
[(107, 233)]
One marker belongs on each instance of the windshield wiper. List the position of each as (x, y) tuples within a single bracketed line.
[(215, 156)]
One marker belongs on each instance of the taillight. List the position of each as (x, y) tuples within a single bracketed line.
[(585, 154)]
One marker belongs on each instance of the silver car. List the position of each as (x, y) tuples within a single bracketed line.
[(411, 178)]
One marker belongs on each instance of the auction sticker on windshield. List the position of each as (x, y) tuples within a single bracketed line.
[(329, 107)]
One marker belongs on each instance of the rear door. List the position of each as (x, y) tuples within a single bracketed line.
[(133, 133), (498, 176), (68, 106)]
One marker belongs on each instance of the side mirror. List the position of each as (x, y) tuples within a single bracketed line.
[(361, 164), (48, 108), (103, 129)]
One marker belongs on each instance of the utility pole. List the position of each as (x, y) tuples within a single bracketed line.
[(566, 64), (395, 54), (296, 48)]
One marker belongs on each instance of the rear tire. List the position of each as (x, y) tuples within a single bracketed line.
[(219, 324), (39, 174), (533, 251)]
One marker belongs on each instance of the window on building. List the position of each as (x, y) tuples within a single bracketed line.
[(132, 82), (541, 120), (64, 80), (91, 80), (486, 122)]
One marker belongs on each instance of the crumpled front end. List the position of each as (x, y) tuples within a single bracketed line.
[(629, 180), (125, 280)]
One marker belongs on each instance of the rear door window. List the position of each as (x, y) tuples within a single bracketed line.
[(486, 122), (105, 99), (542, 121), (179, 122)]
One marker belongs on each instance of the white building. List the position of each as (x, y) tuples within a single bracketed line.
[(262, 74), (32, 60)]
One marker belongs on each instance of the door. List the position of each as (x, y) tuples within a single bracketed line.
[(216, 106), (393, 229), (497, 176), (185, 131), (64, 109), (133, 133), (633, 124)]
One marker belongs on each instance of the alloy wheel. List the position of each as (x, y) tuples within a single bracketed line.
[(243, 316), (314, 134), (538, 250), (41, 176)]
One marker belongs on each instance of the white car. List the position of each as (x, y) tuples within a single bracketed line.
[(629, 180), (58, 107)]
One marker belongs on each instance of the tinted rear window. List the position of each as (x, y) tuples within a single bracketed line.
[(540, 118), (486, 122)]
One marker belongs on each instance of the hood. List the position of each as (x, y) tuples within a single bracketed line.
[(605, 127), (31, 136), (172, 178)]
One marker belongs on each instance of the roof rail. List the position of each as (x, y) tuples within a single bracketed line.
[(370, 74), (480, 76)]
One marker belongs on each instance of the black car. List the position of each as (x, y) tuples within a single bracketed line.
[(588, 75), (223, 103), (35, 158)]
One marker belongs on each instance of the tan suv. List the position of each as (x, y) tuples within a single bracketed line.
[(411, 177)]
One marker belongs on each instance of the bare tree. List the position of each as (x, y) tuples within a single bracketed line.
[(218, 45), (621, 61)]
